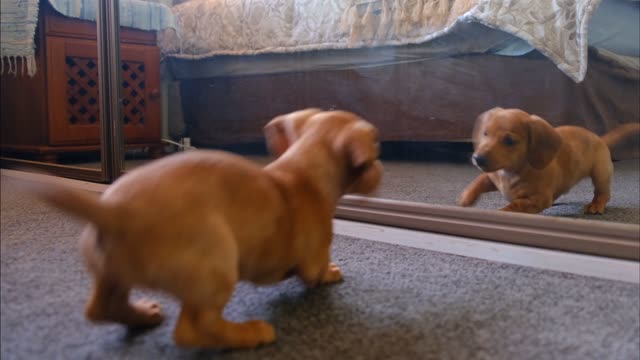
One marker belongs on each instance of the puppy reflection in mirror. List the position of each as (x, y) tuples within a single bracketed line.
[(532, 164), (194, 224)]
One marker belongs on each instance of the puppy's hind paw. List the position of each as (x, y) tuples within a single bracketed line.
[(142, 314), (146, 313), (223, 334), (332, 275), (264, 332)]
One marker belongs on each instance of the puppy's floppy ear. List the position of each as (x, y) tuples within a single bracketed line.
[(359, 141), (543, 142), (368, 180), (283, 130)]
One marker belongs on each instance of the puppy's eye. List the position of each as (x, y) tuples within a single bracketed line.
[(509, 141), (485, 133)]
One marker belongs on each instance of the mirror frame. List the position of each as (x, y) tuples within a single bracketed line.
[(600, 238)]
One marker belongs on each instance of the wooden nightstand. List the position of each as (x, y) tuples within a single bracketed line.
[(57, 110)]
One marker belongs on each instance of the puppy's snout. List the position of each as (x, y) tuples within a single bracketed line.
[(479, 161)]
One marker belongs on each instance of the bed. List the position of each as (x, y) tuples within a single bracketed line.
[(420, 70)]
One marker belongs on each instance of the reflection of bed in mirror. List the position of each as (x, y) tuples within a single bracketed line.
[(416, 91)]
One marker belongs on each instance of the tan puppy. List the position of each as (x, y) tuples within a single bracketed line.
[(194, 224), (532, 164)]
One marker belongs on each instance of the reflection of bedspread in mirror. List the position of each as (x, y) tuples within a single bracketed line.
[(19, 19), (248, 27)]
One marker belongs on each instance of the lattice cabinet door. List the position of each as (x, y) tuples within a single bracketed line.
[(73, 92)]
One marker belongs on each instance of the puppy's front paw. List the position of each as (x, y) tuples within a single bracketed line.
[(467, 198), (516, 207), (529, 206), (332, 275), (594, 209)]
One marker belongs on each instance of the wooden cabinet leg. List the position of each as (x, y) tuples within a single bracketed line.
[(156, 152), (48, 158)]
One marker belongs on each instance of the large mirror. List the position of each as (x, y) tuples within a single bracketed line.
[(53, 115), (50, 99), (422, 74), (203, 74)]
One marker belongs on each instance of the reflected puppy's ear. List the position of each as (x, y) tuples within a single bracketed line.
[(543, 142), (359, 143), (284, 130)]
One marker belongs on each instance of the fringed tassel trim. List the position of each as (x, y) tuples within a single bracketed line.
[(18, 65)]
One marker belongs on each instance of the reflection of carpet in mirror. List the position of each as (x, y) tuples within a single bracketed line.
[(441, 183)]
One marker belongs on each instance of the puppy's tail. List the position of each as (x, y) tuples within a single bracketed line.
[(80, 204), (621, 133)]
